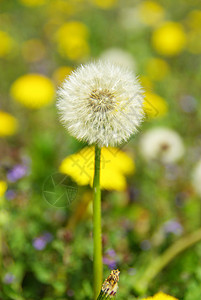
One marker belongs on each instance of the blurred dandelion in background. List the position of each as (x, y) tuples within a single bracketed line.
[(151, 13), (104, 4), (115, 165), (169, 39), (8, 124), (194, 31), (72, 41), (33, 90), (61, 73), (157, 69), (3, 187), (162, 144), (160, 296), (6, 43), (119, 57), (155, 106)]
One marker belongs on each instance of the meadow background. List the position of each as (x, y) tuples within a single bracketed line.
[(150, 199)]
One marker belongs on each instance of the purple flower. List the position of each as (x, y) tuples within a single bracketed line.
[(10, 194), (47, 236), (9, 278), (17, 172), (173, 226), (109, 259), (111, 253), (40, 242)]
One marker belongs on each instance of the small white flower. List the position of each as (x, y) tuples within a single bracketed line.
[(163, 144), (101, 103), (196, 178), (119, 57)]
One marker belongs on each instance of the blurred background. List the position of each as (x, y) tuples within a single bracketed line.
[(152, 197)]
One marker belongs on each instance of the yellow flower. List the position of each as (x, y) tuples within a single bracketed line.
[(33, 2), (169, 39), (151, 13), (33, 90), (194, 41), (8, 124), (154, 105), (115, 164), (6, 43), (3, 188), (74, 48), (194, 19), (33, 50), (72, 29), (72, 40), (62, 8), (160, 296), (194, 33), (157, 69), (105, 4), (60, 74)]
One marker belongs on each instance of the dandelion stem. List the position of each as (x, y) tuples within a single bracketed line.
[(97, 256)]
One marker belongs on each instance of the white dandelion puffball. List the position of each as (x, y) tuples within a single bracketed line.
[(119, 57), (162, 144), (196, 178), (101, 103)]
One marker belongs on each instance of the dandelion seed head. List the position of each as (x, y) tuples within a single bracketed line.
[(101, 103), (162, 144)]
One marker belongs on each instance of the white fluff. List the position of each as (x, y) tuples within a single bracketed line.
[(163, 144), (101, 103)]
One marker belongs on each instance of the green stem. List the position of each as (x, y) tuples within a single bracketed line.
[(162, 261), (97, 256)]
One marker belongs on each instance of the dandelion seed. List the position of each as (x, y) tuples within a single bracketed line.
[(101, 103)]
